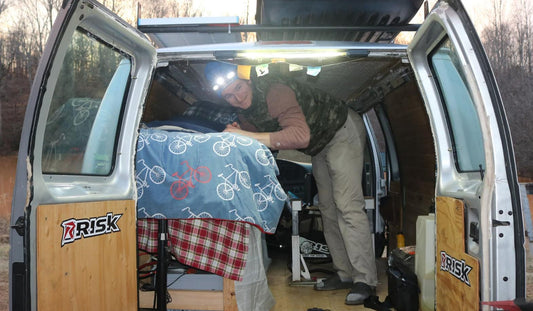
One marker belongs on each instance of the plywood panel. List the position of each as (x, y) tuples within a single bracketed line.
[(196, 299), (187, 300), (457, 283), (86, 256)]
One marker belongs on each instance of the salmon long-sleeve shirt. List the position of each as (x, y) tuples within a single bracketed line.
[(283, 106)]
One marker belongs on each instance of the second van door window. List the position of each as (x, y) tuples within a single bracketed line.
[(460, 110)]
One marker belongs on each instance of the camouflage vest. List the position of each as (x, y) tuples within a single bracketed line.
[(324, 113)]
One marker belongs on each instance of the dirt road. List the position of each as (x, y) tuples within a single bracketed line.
[(8, 167), (7, 181), (4, 263)]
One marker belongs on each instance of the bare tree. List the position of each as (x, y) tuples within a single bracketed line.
[(36, 21), (3, 70), (508, 45), (524, 34), (3, 6), (496, 37), (153, 9), (517, 81), (14, 84), (167, 8), (52, 8)]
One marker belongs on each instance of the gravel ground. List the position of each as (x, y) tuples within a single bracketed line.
[(529, 273), (4, 263)]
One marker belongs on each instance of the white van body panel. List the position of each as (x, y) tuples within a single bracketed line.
[(487, 192), (46, 189), (493, 232)]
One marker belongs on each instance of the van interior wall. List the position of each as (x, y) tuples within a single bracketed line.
[(410, 196), (162, 103), (414, 194)]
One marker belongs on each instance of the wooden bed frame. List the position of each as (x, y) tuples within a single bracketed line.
[(196, 299)]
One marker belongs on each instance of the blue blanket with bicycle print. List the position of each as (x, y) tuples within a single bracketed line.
[(212, 175)]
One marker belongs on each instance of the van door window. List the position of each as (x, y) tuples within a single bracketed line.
[(85, 107), (460, 111)]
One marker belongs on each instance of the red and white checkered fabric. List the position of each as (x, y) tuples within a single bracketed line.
[(214, 245)]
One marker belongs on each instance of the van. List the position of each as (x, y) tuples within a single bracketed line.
[(110, 100)]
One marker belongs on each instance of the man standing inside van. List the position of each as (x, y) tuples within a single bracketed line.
[(284, 114)]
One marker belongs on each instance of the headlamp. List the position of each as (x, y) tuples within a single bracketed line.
[(220, 74), (221, 82)]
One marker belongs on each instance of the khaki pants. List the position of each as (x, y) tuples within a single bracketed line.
[(338, 172)]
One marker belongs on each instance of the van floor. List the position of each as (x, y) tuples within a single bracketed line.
[(304, 297)]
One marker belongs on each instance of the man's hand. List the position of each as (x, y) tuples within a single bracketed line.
[(231, 126), (236, 129)]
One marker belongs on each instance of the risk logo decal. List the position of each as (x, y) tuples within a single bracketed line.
[(75, 229), (458, 268)]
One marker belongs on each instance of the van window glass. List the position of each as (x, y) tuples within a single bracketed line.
[(462, 117), (85, 107)]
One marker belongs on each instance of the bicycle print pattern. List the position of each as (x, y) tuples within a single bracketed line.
[(180, 188), (212, 175)]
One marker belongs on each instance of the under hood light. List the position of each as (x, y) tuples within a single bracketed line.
[(291, 55)]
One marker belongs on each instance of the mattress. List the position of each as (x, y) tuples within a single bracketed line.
[(183, 174)]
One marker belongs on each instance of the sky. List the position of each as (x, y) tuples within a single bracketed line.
[(226, 7)]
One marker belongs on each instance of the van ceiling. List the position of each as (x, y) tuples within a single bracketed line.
[(335, 13), (355, 79), (346, 79)]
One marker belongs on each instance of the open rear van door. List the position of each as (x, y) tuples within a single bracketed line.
[(480, 255), (73, 237)]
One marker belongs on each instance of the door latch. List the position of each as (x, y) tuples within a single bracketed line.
[(498, 223), (19, 226)]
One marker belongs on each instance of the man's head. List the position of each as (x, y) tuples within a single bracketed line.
[(220, 75), (224, 79)]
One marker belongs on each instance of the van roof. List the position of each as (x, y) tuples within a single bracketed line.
[(297, 20)]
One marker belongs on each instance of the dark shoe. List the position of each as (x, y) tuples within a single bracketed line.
[(359, 292), (332, 283)]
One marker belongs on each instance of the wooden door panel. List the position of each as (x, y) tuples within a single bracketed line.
[(86, 256)]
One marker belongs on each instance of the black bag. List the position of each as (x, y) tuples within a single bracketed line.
[(402, 281)]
